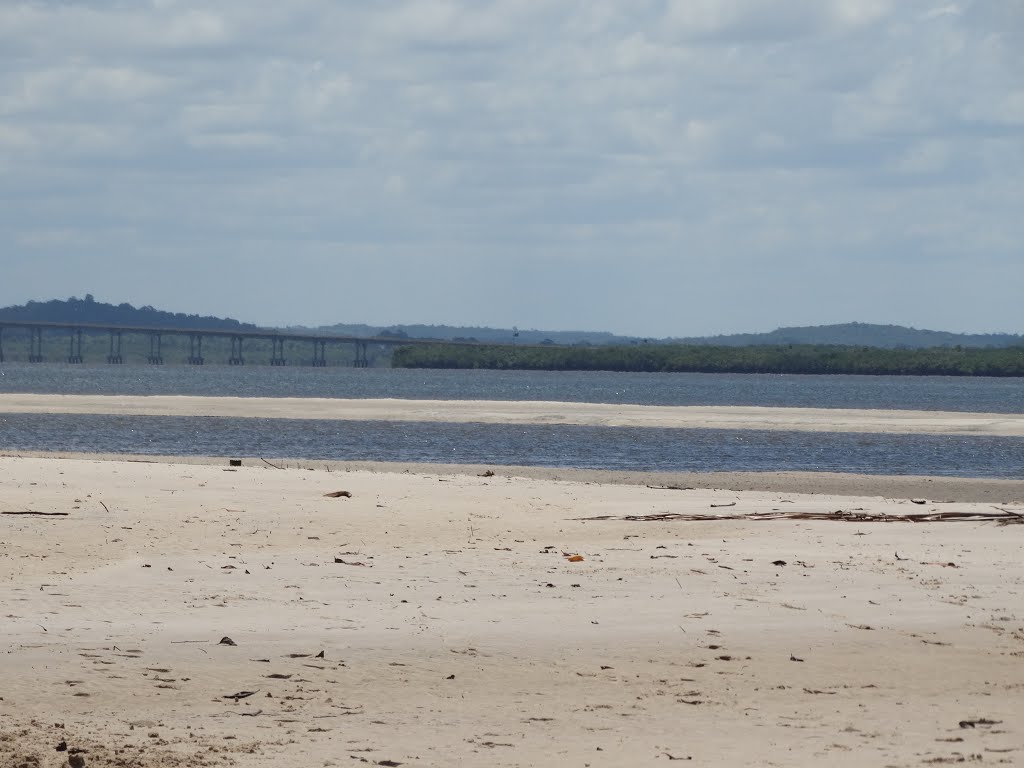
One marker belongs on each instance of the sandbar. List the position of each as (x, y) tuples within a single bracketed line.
[(529, 412)]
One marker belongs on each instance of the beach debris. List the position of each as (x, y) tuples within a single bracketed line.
[(390, 763), (62, 747), (240, 695), (76, 761), (37, 514), (226, 641), (919, 501), (978, 721), (351, 562), (488, 473), (794, 658), (234, 462), (319, 655), (269, 464), (900, 558), (673, 757), (572, 557), (840, 516), (338, 495), (726, 504), (778, 562)]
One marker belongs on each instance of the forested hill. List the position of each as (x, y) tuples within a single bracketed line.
[(842, 335), (477, 333), (89, 311), (861, 335)]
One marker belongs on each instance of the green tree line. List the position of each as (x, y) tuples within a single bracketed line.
[(807, 359)]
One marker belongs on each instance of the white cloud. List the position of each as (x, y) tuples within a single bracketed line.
[(725, 146)]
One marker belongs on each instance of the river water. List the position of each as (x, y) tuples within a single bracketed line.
[(548, 445)]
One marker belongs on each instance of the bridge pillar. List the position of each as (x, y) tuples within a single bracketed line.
[(114, 356), (75, 347), (35, 345), (277, 355), (195, 349), (155, 349), (236, 351), (319, 353), (1, 344), (362, 360)]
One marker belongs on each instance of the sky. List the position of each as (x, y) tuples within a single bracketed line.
[(647, 167)]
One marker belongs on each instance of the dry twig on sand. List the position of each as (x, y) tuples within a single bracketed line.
[(1004, 517), (37, 514)]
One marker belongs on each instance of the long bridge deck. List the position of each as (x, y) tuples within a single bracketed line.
[(237, 337)]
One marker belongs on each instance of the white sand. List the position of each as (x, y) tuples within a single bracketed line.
[(529, 412), (464, 640)]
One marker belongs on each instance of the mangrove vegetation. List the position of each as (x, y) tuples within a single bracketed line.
[(672, 358)]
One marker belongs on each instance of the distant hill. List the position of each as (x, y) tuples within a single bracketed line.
[(861, 335), (87, 310), (846, 334), (477, 333)]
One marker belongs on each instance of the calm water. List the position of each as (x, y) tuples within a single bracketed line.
[(698, 450), (887, 392), (564, 446)]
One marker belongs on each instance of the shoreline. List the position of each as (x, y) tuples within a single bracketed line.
[(937, 489), (528, 412)]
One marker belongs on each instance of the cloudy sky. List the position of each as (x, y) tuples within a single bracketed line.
[(649, 167)]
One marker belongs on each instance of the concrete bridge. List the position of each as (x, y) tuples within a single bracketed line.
[(155, 335)]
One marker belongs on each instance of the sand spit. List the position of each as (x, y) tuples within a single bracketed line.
[(434, 618), (528, 412)]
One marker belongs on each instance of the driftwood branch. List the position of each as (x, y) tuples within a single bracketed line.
[(1005, 517), (37, 514)]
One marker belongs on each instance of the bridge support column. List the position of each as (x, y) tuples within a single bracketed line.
[(35, 345), (75, 347), (236, 351), (195, 349), (155, 352), (1, 345), (362, 360), (277, 355), (319, 353), (114, 356)]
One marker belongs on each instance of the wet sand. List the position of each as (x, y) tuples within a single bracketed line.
[(529, 412), (455, 631)]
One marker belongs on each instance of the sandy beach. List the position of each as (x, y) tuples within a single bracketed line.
[(528, 412), (435, 618)]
